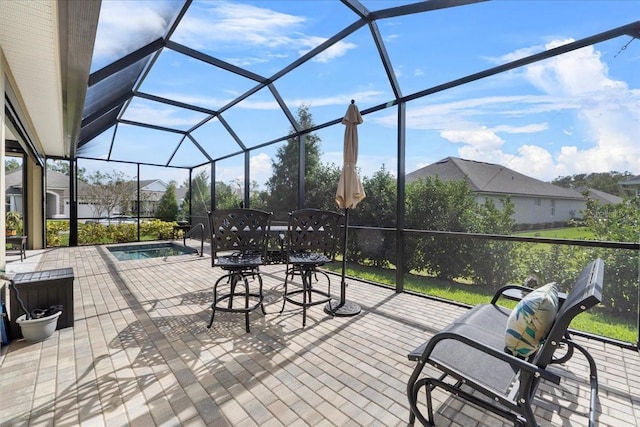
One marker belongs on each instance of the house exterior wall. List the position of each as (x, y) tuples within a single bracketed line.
[(538, 210), (85, 209)]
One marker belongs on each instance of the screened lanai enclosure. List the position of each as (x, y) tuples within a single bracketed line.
[(470, 110)]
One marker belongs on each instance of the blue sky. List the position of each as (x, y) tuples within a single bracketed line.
[(575, 113)]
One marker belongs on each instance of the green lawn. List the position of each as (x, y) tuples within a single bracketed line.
[(575, 233), (591, 321)]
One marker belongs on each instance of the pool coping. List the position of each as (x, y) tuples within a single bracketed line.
[(151, 245)]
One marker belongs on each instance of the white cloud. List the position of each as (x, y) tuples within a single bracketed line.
[(260, 166), (259, 104), (201, 101), (576, 73), (391, 38), (530, 128), (253, 31), (365, 97), (247, 34), (477, 140), (516, 54), (146, 21), (609, 111), (162, 116), (234, 23), (602, 133), (335, 51)]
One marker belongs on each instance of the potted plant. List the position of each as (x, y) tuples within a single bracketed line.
[(13, 223), (39, 324)]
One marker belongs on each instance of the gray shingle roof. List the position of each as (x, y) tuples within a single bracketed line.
[(601, 196), (55, 180), (485, 177)]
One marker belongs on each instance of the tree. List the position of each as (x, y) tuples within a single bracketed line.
[(62, 167), (498, 268), (11, 165), (283, 184), (609, 182), (258, 199), (168, 205), (320, 186), (228, 197), (434, 204), (374, 246), (621, 223), (108, 192), (200, 196)]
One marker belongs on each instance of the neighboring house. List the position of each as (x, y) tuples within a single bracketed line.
[(600, 196), (535, 201), (632, 183), (58, 200), (151, 191)]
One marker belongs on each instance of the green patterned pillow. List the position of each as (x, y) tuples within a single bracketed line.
[(531, 320)]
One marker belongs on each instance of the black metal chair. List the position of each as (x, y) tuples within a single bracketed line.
[(312, 238), (238, 245)]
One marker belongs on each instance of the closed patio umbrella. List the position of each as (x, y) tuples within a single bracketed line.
[(348, 194), (350, 191)]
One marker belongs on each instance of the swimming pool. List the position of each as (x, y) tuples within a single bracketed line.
[(149, 250)]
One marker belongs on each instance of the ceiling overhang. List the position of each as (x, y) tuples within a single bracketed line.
[(47, 48)]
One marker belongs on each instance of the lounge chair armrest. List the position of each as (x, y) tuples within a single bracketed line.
[(517, 292), (513, 294), (498, 354)]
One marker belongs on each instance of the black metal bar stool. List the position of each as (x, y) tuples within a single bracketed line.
[(238, 246), (312, 237)]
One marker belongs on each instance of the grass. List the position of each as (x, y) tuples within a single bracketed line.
[(591, 321), (574, 233)]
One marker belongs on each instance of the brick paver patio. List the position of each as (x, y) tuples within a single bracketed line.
[(140, 354)]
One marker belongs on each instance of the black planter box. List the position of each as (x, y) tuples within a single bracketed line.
[(42, 289)]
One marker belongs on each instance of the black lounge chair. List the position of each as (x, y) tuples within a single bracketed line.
[(470, 353)]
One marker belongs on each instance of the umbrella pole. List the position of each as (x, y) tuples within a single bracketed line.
[(343, 307), (343, 284)]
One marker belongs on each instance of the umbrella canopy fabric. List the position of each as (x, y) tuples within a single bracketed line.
[(350, 191)]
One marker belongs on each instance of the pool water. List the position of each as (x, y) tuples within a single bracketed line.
[(155, 250)]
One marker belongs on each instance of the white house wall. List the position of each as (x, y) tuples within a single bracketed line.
[(85, 209), (530, 210)]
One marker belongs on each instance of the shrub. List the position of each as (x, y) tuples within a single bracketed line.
[(161, 230), (91, 234), (53, 230), (122, 233)]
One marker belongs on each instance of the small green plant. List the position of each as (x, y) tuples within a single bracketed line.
[(13, 223)]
